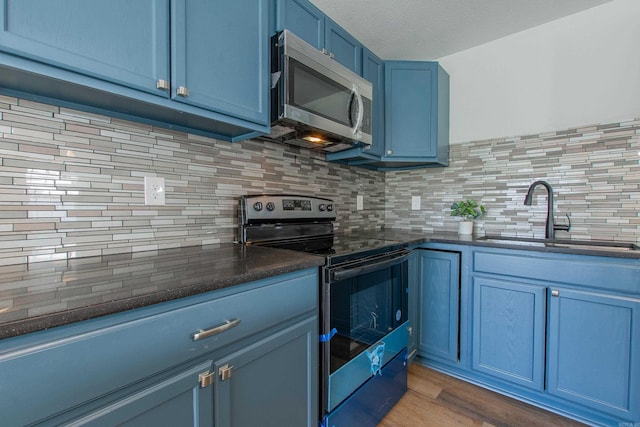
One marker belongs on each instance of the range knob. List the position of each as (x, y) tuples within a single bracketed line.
[(270, 206), (330, 207), (322, 207), (257, 206)]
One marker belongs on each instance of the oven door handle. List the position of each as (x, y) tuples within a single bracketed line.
[(349, 272)]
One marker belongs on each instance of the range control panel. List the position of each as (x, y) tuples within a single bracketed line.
[(273, 208)]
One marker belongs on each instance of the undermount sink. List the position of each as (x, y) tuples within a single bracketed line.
[(562, 243)]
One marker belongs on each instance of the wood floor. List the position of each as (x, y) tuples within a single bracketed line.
[(435, 399)]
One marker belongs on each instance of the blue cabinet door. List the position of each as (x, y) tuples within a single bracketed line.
[(121, 41), (303, 19), (272, 382), (594, 351), (439, 301), (416, 98), (508, 330), (373, 70), (220, 58), (343, 47), (178, 400)]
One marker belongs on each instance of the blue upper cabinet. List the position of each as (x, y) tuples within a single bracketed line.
[(197, 66), (417, 112), (310, 24), (303, 19), (373, 70), (343, 47), (219, 56), (84, 38), (416, 120)]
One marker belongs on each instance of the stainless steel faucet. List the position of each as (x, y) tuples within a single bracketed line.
[(550, 230)]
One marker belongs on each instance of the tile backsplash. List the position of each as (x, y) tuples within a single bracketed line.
[(594, 171), (72, 184)]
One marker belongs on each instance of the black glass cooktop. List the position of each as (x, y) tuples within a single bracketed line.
[(339, 246)]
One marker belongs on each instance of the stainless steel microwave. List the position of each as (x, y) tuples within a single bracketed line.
[(315, 99)]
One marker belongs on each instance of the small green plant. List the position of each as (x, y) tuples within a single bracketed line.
[(468, 210)]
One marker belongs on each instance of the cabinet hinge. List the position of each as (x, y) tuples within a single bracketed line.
[(206, 379), (225, 372)]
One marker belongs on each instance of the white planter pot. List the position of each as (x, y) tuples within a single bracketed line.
[(465, 227)]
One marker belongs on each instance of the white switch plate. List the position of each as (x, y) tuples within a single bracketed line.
[(415, 203), (154, 190), (359, 202)]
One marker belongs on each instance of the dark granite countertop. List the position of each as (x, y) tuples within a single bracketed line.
[(43, 295), (577, 247), (38, 296)]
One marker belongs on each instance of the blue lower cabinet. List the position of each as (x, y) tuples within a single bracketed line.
[(270, 382), (594, 351), (149, 366), (374, 399), (509, 331), (178, 400), (437, 327), (557, 330)]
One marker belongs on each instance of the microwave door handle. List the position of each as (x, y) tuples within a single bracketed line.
[(357, 129)]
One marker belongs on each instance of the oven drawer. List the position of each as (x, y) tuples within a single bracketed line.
[(359, 369), (369, 405)]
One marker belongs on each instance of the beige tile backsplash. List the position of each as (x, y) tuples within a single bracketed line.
[(71, 184), (594, 171)]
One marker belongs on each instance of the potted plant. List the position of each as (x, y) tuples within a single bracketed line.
[(468, 210)]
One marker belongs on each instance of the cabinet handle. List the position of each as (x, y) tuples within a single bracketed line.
[(555, 293), (162, 84), (183, 91), (324, 51), (225, 372), (331, 55), (205, 379), (228, 324), (410, 329), (389, 152)]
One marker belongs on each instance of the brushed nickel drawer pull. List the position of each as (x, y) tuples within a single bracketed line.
[(183, 91), (228, 324), (162, 84)]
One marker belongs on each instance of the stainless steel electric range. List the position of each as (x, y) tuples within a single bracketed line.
[(363, 304)]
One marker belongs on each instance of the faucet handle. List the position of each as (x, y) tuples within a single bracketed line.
[(563, 227)]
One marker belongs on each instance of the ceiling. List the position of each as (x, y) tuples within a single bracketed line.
[(432, 29)]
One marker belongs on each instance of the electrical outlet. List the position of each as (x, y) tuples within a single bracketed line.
[(415, 203), (359, 202), (154, 190)]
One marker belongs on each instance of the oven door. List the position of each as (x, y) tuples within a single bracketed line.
[(364, 322)]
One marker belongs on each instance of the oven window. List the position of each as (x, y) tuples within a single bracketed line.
[(364, 309)]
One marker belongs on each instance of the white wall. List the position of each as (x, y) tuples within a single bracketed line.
[(579, 70)]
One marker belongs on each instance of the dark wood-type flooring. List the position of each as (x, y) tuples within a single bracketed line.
[(438, 400)]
